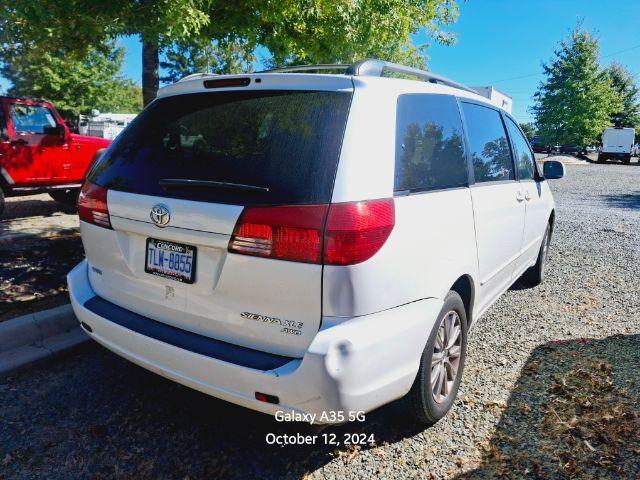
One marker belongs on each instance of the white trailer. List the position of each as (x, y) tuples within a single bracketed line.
[(617, 144), (498, 98), (104, 125)]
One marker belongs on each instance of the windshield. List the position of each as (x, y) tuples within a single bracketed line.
[(285, 143)]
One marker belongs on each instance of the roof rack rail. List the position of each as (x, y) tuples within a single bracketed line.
[(372, 67), (309, 68), (199, 74)]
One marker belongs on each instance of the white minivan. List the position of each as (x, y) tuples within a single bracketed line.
[(311, 242)]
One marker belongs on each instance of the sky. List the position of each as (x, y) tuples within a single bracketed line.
[(503, 43)]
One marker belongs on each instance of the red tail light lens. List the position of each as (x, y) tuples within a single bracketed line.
[(354, 231), (92, 205), (288, 233)]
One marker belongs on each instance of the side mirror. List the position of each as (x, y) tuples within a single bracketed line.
[(552, 170), (57, 130)]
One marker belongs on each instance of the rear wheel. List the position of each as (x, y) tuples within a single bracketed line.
[(68, 197), (535, 275), (627, 160), (436, 385), (1, 202)]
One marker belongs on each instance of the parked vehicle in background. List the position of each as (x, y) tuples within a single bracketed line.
[(573, 150), (538, 146), (39, 154), (617, 144), (310, 242), (104, 125)]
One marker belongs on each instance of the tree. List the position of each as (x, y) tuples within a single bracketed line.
[(74, 86), (529, 129), (293, 31), (575, 103), (624, 84), (197, 56)]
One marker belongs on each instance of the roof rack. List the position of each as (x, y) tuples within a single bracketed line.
[(374, 68)]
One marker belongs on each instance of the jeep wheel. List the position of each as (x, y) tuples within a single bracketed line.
[(436, 385)]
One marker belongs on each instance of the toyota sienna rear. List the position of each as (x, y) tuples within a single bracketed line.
[(307, 242)]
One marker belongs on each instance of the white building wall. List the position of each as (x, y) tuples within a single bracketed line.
[(498, 98)]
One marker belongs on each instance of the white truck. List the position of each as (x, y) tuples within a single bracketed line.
[(617, 144)]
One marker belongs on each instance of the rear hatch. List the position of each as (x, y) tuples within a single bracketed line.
[(618, 140), (176, 182)]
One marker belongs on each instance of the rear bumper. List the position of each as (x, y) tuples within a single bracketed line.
[(355, 365), (614, 155)]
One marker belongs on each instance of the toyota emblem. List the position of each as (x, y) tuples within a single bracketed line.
[(160, 215)]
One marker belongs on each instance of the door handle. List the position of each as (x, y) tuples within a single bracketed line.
[(519, 196), (527, 195)]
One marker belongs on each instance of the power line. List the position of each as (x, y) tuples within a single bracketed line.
[(541, 73), (621, 51)]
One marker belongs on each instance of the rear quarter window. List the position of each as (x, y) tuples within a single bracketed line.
[(429, 144), (285, 142)]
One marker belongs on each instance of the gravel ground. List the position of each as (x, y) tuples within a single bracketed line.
[(550, 389), (39, 244)]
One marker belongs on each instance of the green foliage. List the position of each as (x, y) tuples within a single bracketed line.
[(529, 130), (74, 86), (330, 31), (74, 26), (293, 31), (197, 56), (625, 85), (575, 103)]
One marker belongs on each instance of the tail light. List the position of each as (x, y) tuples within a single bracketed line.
[(92, 205), (337, 234), (288, 233), (355, 231)]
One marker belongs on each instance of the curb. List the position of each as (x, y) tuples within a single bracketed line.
[(30, 339)]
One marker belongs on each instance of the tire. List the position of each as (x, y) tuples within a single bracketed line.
[(627, 160), (421, 404), (601, 159), (67, 197), (534, 276), (1, 202)]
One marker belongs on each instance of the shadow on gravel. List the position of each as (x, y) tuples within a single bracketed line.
[(98, 416), (35, 269), (21, 208), (625, 200), (574, 413)]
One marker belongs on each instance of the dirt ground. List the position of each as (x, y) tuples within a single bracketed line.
[(39, 244)]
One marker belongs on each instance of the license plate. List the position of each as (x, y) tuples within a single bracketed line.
[(175, 261)]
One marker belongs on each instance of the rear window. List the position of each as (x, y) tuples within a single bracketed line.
[(245, 148)]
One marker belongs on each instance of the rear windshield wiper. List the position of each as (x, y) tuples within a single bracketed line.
[(186, 182)]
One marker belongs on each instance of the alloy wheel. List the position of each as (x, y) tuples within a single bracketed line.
[(445, 361)]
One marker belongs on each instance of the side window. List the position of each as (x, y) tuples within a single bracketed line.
[(429, 143), (488, 145), (31, 118), (525, 163)]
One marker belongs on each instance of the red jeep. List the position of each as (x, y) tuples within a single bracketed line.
[(39, 154)]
